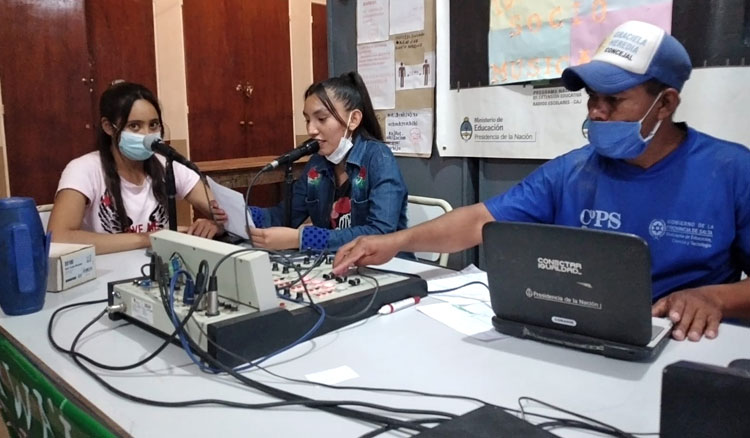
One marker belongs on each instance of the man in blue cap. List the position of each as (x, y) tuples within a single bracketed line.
[(686, 193)]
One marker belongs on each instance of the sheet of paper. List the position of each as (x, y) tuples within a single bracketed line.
[(473, 293), (409, 131), (372, 21), (406, 16), (333, 375), (375, 62), (233, 203), (478, 326)]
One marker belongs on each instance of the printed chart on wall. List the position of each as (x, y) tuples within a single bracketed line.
[(396, 59), (498, 91)]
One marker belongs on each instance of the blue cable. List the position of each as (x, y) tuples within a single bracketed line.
[(176, 321), (249, 365), (302, 339)]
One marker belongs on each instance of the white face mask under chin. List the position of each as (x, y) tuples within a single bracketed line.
[(345, 144)]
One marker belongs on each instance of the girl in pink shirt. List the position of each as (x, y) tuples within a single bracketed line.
[(115, 196)]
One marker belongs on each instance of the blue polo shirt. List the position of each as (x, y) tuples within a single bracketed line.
[(692, 207)]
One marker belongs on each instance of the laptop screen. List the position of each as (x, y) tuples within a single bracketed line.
[(589, 282)]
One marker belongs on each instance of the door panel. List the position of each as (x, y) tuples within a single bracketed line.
[(231, 45), (47, 104), (214, 70), (121, 43), (270, 107), (319, 42)]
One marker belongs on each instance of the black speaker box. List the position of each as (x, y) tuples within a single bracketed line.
[(699, 400)]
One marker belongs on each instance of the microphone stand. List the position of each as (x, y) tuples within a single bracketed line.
[(288, 182), (171, 193)]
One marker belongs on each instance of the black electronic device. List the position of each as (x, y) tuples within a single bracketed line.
[(154, 143), (575, 287), (308, 147), (489, 421), (705, 401)]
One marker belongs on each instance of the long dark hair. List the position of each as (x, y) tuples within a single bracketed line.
[(115, 105), (349, 89)]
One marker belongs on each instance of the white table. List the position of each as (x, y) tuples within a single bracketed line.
[(403, 350)]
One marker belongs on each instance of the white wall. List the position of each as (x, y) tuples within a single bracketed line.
[(300, 38), (170, 70)]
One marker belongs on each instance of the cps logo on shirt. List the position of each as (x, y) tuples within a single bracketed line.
[(600, 219)]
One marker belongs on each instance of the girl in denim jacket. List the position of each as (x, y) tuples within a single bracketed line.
[(351, 187)]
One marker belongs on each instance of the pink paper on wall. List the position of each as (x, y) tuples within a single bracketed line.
[(590, 29)]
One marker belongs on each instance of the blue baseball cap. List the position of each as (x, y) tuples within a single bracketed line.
[(631, 55)]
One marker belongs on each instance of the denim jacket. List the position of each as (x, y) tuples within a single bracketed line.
[(378, 198)]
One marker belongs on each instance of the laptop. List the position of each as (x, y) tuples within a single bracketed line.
[(575, 287)]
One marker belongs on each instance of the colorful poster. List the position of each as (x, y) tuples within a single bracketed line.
[(538, 39)]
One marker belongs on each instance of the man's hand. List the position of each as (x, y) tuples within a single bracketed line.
[(205, 228), (695, 312), (365, 250), (275, 237)]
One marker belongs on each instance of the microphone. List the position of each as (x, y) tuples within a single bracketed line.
[(154, 143), (309, 147)]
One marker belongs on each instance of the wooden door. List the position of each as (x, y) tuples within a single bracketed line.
[(268, 67), (238, 78), (121, 43), (44, 72), (319, 42), (215, 78)]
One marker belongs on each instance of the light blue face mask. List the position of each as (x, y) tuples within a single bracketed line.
[(131, 145), (620, 140)]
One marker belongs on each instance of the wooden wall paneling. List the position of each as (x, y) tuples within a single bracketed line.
[(270, 70), (319, 42), (121, 43), (213, 70), (47, 105)]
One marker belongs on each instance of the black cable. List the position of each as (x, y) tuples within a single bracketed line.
[(388, 428), (289, 399), (355, 388), (247, 199), (367, 308), (204, 183), (97, 364), (556, 422), (331, 406), (592, 425), (458, 287)]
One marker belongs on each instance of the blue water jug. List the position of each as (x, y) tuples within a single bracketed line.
[(24, 255)]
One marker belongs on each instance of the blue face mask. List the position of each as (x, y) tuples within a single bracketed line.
[(131, 145), (620, 140)]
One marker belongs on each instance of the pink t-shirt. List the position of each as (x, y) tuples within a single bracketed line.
[(85, 174)]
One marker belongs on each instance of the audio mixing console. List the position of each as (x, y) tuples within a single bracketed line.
[(264, 302)]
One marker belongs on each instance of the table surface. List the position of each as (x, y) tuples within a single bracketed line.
[(405, 350)]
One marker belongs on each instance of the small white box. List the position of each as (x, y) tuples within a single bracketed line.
[(70, 264)]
